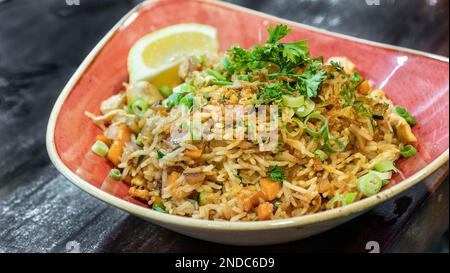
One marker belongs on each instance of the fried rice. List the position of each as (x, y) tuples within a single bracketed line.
[(317, 163)]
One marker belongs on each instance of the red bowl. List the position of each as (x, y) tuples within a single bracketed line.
[(415, 80)]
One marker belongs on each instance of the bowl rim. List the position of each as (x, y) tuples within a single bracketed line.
[(168, 219)]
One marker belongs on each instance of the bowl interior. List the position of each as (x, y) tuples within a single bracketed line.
[(411, 80)]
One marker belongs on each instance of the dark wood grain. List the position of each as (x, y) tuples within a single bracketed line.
[(43, 42)]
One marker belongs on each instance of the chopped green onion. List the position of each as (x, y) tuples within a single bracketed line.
[(215, 74), (329, 148), (217, 82), (289, 112), (297, 123), (188, 100), (100, 148), (226, 64), (334, 200), (201, 198), (350, 197), (238, 177), (369, 184), (385, 166), (382, 176), (207, 80), (247, 77), (160, 154), (305, 109), (408, 151), (159, 207), (185, 88), (293, 102), (345, 200), (139, 107), (173, 100), (406, 115), (202, 59), (196, 129), (322, 130), (321, 154), (139, 142), (115, 174), (277, 204), (165, 91), (322, 104)]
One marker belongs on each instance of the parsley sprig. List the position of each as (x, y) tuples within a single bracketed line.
[(348, 93), (281, 58), (270, 93), (276, 174), (285, 56)]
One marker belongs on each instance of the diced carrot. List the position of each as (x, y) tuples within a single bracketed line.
[(248, 204), (270, 188), (115, 152), (142, 194), (253, 200), (364, 88), (124, 133), (264, 211), (194, 154), (176, 192), (116, 149), (103, 139), (172, 178)]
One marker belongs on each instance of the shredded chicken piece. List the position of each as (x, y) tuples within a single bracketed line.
[(113, 103), (143, 90), (360, 139), (402, 128), (389, 155)]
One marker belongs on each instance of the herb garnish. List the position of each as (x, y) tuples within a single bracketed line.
[(281, 58), (270, 93), (160, 154), (276, 174), (337, 66), (238, 177)]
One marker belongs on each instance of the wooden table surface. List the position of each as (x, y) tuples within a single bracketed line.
[(43, 42)]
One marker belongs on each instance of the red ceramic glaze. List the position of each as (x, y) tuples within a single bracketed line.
[(411, 80)]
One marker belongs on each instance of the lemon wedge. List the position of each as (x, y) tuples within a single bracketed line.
[(156, 57)]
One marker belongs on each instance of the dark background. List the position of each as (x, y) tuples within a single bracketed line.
[(43, 42)]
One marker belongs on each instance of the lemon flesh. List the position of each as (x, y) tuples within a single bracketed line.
[(156, 56)]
